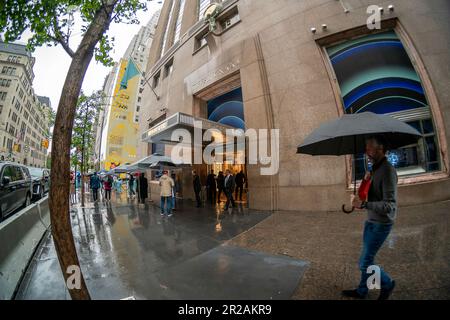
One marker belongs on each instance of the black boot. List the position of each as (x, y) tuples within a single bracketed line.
[(353, 294), (386, 293)]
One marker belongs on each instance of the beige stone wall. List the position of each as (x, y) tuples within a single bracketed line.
[(286, 85)]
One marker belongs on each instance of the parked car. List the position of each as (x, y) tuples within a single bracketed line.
[(41, 182), (15, 188)]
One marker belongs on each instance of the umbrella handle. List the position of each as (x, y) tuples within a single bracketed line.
[(347, 211)]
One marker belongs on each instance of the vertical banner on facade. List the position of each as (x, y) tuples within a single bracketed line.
[(122, 137)]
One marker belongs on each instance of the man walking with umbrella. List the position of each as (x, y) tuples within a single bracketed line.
[(354, 134), (382, 210)]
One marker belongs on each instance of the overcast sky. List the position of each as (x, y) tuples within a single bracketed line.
[(52, 63)]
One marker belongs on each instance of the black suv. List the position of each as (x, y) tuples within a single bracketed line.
[(15, 188), (41, 181)]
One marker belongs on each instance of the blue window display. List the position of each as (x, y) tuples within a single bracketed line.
[(375, 74), (228, 109)]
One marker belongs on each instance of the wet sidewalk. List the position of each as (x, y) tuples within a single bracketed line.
[(127, 249), (416, 253)]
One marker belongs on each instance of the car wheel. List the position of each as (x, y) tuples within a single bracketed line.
[(41, 195)]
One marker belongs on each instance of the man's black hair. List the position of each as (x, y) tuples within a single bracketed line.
[(380, 140)]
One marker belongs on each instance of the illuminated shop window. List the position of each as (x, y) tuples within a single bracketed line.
[(228, 109), (375, 74)]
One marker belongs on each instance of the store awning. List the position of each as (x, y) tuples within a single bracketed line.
[(162, 132)]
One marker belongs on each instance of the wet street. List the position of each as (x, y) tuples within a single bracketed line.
[(129, 250)]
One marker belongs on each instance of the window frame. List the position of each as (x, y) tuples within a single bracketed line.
[(393, 24)]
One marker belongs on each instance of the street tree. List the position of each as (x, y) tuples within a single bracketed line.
[(83, 136), (52, 23)]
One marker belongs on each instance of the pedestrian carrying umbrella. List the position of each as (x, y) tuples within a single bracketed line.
[(347, 135)]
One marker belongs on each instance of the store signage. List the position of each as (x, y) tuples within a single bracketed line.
[(216, 75)]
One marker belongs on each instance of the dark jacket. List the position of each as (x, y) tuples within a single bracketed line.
[(131, 181), (229, 183), (143, 188), (197, 184), (221, 182), (211, 181), (240, 179), (382, 200), (95, 182)]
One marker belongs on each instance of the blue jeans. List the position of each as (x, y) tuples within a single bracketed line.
[(374, 236), (166, 202)]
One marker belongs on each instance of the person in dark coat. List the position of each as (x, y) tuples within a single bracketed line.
[(107, 185), (220, 185), (240, 181), (143, 188), (131, 191), (197, 188), (95, 184), (212, 187), (229, 188)]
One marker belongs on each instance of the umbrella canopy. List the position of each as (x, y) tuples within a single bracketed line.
[(160, 165), (151, 160), (347, 134), (125, 168)]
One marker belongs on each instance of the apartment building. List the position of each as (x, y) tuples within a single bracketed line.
[(24, 116)]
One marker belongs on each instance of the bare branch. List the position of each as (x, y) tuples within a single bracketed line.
[(64, 44), (114, 17), (60, 39)]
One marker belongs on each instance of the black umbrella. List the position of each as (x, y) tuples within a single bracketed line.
[(347, 135)]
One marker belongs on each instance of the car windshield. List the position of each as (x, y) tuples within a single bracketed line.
[(35, 172)]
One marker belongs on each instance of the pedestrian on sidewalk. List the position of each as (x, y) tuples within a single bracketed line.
[(211, 186), (220, 185), (107, 185), (131, 191), (143, 188), (381, 208), (174, 190), (197, 188), (229, 188), (73, 192), (117, 184), (95, 185), (240, 181), (166, 183)]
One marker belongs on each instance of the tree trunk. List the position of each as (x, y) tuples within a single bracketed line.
[(75, 184), (82, 175), (62, 134), (83, 165)]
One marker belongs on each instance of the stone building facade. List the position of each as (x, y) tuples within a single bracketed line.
[(297, 64)]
